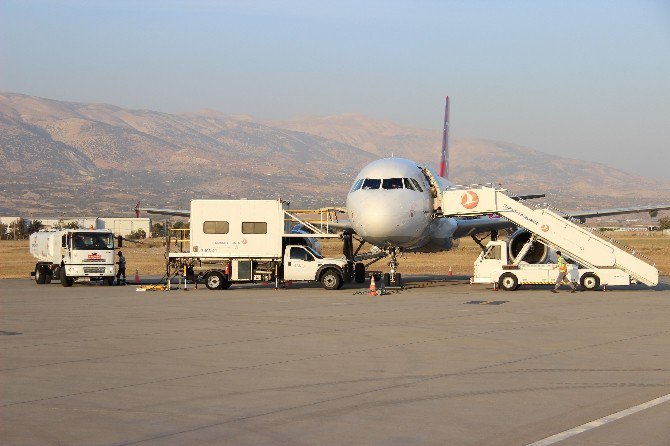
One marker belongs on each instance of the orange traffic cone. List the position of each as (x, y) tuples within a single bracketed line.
[(495, 286), (137, 276), (451, 273), (373, 288)]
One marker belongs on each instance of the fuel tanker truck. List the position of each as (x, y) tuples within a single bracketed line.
[(73, 254)]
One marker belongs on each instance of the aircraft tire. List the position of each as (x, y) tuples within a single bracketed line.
[(508, 282), (589, 282), (359, 272)]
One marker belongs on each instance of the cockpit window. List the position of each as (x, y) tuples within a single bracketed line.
[(371, 183), (408, 184), (416, 185), (392, 183), (357, 185)]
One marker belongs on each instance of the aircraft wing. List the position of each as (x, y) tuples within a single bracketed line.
[(583, 215), (471, 226), (175, 212)]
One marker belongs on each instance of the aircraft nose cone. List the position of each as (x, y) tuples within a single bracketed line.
[(381, 221)]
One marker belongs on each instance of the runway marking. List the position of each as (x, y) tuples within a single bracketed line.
[(600, 422)]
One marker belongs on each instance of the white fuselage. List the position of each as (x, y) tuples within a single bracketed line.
[(391, 205)]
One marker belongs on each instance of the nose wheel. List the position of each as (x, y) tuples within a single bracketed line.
[(394, 278)]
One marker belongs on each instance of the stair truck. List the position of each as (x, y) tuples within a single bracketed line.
[(601, 260), (248, 241), (493, 265), (69, 255)]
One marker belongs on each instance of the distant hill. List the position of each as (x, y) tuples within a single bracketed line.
[(97, 158)]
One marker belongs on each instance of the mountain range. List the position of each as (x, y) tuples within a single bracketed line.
[(83, 158)]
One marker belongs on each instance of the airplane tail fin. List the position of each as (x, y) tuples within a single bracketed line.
[(444, 160)]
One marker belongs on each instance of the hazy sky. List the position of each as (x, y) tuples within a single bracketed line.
[(584, 79)]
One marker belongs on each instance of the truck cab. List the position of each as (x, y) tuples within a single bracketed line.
[(71, 254), (305, 263)]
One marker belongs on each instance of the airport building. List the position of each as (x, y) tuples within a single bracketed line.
[(118, 225)]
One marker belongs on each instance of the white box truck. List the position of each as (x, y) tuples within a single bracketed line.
[(72, 254), (493, 265), (236, 241)]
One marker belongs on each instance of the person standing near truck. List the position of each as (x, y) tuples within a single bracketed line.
[(122, 269), (562, 266)]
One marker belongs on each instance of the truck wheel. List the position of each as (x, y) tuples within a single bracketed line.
[(387, 279), (39, 274), (359, 273), (214, 281), (508, 282), (108, 281), (226, 284), (64, 280), (331, 280), (589, 281), (48, 275)]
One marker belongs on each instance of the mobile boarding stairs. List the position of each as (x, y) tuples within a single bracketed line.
[(585, 245)]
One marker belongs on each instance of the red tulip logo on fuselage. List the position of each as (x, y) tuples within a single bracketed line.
[(470, 200)]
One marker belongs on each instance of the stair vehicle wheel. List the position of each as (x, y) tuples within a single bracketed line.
[(331, 279), (508, 282), (359, 272), (214, 280), (589, 281), (64, 279), (39, 274)]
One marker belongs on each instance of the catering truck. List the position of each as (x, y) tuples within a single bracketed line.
[(494, 265), (242, 241), (73, 254)]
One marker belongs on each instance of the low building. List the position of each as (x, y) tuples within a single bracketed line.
[(118, 225)]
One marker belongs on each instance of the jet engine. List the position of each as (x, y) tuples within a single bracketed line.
[(538, 253)]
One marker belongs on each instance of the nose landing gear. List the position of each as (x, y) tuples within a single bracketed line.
[(393, 279)]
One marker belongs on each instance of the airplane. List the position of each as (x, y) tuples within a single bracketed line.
[(393, 205)]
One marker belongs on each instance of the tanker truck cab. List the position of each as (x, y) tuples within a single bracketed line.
[(70, 255)]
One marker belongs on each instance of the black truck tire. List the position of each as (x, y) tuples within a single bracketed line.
[(39, 274), (331, 279), (64, 279), (215, 280)]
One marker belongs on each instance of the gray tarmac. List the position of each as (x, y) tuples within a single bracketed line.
[(94, 365)]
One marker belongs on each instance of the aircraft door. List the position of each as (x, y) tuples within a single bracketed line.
[(299, 264)]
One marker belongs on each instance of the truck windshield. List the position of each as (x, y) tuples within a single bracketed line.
[(92, 240), (314, 253)]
